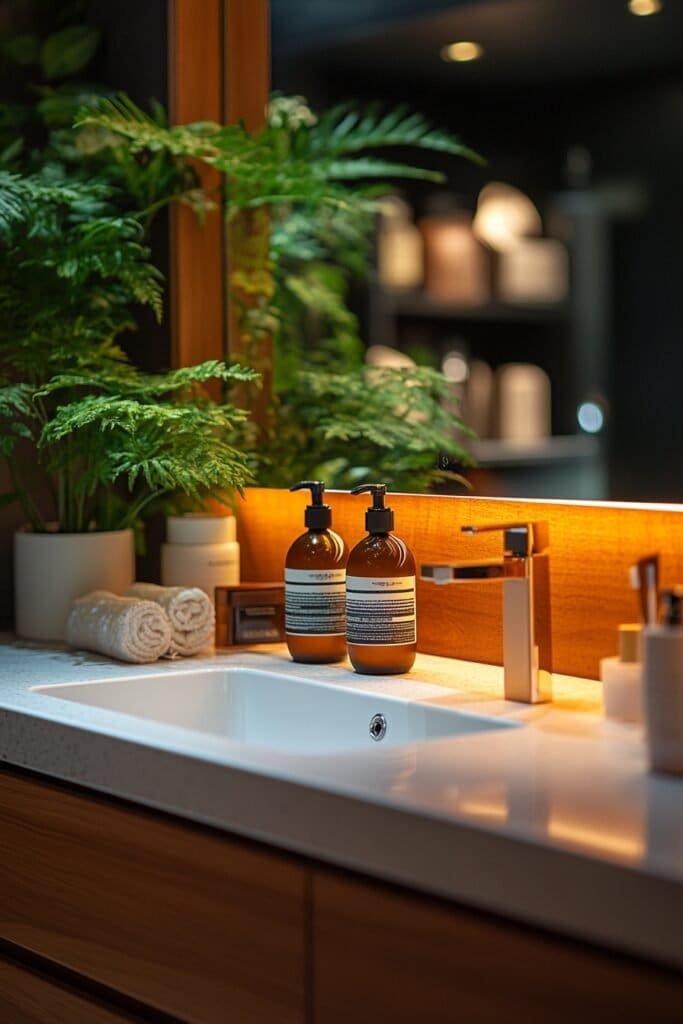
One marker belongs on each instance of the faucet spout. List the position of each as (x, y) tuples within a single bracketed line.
[(460, 572), (524, 572)]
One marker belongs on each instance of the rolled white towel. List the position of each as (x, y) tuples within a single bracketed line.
[(190, 612), (122, 627)]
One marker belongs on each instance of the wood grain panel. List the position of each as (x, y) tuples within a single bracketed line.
[(247, 62), (197, 285), (219, 70), (382, 955), (247, 90), (591, 548), (189, 922), (30, 998)]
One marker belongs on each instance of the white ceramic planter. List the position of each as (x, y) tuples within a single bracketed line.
[(52, 569)]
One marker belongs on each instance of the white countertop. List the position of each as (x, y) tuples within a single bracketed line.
[(556, 824)]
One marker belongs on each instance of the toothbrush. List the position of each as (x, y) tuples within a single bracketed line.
[(644, 577)]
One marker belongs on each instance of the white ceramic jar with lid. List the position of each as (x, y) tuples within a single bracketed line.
[(200, 551)]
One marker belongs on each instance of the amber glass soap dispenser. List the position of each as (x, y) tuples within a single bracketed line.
[(380, 594), (315, 577)]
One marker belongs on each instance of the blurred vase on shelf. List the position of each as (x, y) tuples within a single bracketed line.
[(504, 216), (456, 264), (400, 262), (524, 406), (477, 407), (534, 270)]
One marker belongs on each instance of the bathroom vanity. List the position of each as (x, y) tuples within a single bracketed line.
[(227, 858)]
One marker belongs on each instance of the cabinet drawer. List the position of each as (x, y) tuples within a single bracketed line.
[(384, 955), (180, 918), (27, 997)]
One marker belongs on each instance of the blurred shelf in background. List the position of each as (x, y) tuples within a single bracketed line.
[(418, 304), (566, 339), (494, 452), (570, 467)]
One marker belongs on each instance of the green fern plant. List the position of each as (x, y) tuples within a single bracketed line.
[(318, 181), (352, 427), (296, 162), (108, 440)]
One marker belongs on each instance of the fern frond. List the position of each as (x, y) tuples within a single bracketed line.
[(16, 400), (123, 381), (212, 369), (107, 248), (370, 167), (12, 202), (112, 413), (16, 406), (344, 131), (193, 466), (23, 197), (123, 117), (390, 421)]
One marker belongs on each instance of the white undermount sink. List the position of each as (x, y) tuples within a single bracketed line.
[(279, 712)]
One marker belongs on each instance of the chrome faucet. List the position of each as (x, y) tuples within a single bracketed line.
[(524, 571)]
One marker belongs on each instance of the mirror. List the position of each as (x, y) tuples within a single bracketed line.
[(529, 285), (545, 283)]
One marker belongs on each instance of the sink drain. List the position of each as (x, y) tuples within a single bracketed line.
[(378, 727)]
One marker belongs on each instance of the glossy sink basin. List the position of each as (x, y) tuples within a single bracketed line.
[(280, 712)]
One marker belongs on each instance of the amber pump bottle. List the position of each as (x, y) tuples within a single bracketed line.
[(380, 594), (315, 576)]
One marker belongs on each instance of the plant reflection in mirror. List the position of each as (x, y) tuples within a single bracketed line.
[(301, 199)]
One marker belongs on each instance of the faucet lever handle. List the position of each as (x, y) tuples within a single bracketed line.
[(520, 539)]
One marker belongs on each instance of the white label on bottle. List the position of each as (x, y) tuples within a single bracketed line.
[(315, 602), (380, 610)]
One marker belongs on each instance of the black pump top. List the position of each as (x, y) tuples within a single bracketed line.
[(378, 519), (318, 516), (672, 606)]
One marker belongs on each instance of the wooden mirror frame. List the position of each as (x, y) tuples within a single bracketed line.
[(218, 70)]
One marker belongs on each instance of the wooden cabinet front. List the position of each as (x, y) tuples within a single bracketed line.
[(384, 955), (206, 928), (183, 919)]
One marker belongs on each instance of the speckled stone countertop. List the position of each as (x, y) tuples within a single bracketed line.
[(557, 823)]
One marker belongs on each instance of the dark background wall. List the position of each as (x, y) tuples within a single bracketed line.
[(133, 58)]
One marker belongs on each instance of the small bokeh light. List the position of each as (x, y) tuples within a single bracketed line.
[(641, 8), (454, 367), (590, 417), (462, 52)]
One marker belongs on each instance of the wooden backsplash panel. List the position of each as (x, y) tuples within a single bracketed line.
[(591, 549)]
